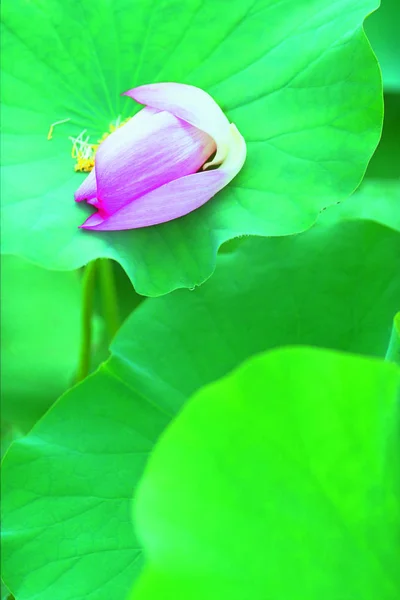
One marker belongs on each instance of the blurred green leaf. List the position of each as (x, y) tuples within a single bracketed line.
[(375, 200), (67, 485), (280, 481), (385, 163), (40, 312), (41, 335), (297, 77), (382, 28), (378, 197)]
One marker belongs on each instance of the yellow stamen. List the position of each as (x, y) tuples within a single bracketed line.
[(50, 134), (84, 165), (84, 152)]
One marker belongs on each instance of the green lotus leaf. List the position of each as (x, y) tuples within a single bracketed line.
[(279, 481), (298, 78), (67, 486)]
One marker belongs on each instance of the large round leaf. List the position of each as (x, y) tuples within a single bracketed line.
[(297, 77), (67, 485), (280, 481)]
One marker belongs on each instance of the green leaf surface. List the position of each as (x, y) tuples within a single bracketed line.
[(40, 313), (280, 481), (382, 29), (296, 76), (67, 485)]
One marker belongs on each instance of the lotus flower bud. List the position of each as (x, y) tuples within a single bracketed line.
[(156, 167)]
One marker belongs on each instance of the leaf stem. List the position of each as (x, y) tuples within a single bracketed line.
[(88, 285), (109, 297)]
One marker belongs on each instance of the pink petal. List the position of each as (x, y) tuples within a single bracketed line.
[(88, 188), (153, 148), (176, 198), (190, 104)]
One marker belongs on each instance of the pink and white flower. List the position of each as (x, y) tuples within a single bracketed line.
[(166, 161)]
